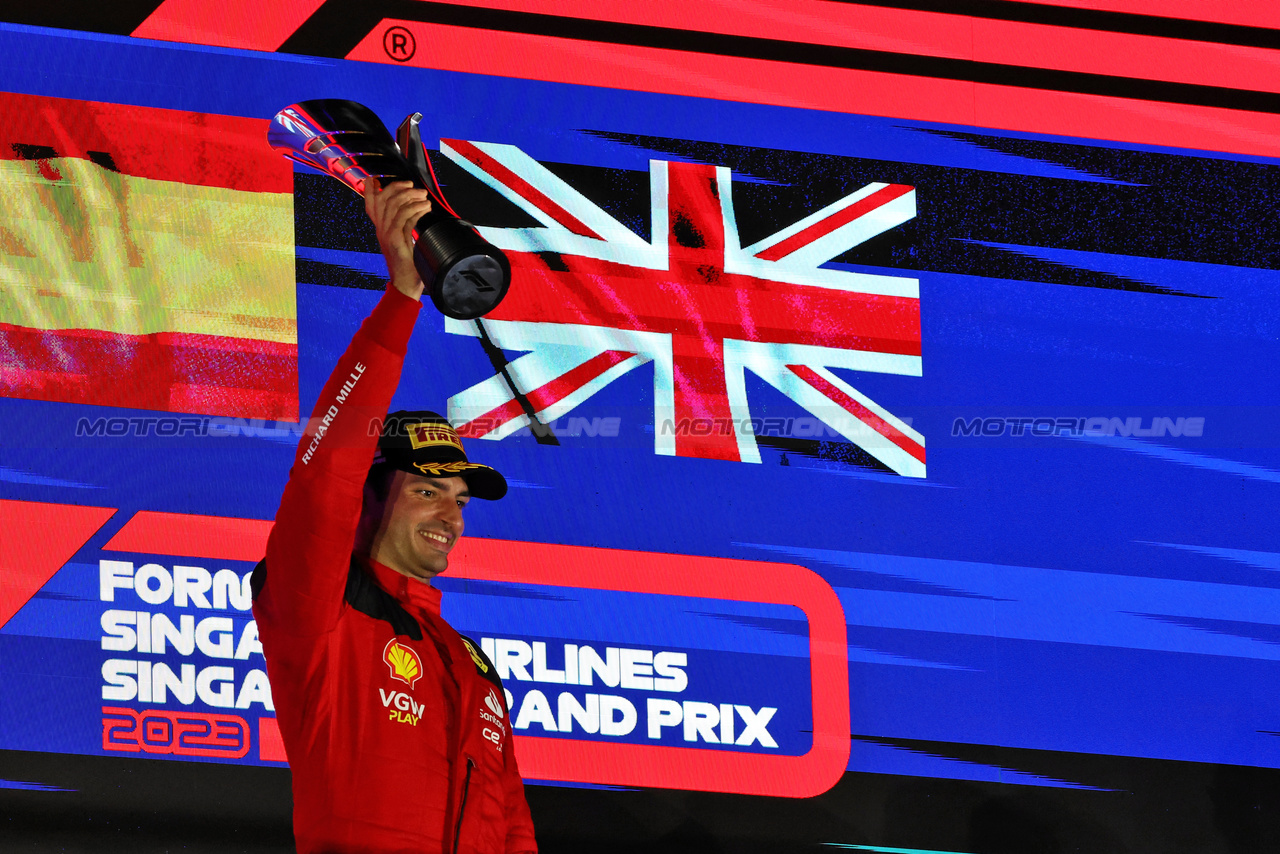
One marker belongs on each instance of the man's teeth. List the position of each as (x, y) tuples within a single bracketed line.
[(439, 538)]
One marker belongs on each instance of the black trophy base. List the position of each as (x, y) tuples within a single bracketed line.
[(463, 272)]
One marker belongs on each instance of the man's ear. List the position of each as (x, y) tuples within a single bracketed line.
[(374, 497), (369, 496), (372, 507)]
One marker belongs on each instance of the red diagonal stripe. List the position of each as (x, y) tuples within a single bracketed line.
[(38, 540), (857, 410), (840, 218), (1265, 15), (522, 187), (570, 381), (944, 33), (188, 535), (545, 395), (491, 420), (249, 24), (911, 97)]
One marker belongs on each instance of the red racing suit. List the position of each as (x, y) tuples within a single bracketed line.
[(395, 726)]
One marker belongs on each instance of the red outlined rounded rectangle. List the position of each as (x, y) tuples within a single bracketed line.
[(575, 760), (683, 575)]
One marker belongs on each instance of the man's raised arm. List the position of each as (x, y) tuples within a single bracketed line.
[(309, 549)]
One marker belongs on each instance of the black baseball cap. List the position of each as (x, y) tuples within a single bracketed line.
[(422, 442)]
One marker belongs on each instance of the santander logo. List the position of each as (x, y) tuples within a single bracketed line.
[(494, 715), (494, 705)]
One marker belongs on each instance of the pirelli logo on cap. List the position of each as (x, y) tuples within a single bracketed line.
[(427, 434)]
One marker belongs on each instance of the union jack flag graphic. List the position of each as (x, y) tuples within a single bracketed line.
[(594, 300)]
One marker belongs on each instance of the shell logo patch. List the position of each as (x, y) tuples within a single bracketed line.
[(403, 662), (426, 434)]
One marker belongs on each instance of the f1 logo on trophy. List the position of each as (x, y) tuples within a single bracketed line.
[(465, 274)]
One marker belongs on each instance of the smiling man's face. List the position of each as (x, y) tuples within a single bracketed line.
[(418, 523)]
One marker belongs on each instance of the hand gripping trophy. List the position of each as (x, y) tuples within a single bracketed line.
[(465, 274)]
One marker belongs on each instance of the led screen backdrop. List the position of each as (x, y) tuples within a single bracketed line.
[(892, 450), (147, 260)]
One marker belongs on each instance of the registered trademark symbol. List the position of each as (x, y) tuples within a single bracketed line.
[(399, 44)]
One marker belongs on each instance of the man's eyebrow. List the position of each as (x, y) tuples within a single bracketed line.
[(439, 484)]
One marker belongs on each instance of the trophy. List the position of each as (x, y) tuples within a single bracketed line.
[(465, 274)]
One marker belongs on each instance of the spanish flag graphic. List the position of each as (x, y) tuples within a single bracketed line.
[(146, 258)]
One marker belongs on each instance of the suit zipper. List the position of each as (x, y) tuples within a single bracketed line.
[(466, 787)]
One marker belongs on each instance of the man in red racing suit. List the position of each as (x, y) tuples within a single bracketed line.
[(396, 727)]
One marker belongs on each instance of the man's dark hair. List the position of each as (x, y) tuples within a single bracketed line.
[(378, 480)]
